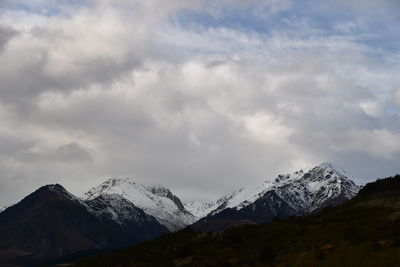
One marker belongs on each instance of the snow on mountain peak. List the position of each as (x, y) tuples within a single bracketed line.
[(282, 179), (318, 187), (156, 201), (304, 190), (332, 167)]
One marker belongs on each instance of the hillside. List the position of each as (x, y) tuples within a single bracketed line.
[(363, 232)]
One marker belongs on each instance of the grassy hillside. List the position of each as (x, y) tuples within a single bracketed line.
[(363, 232)]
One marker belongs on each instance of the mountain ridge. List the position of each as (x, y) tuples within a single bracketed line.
[(305, 191)]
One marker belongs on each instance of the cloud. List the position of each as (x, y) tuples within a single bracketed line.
[(139, 88)]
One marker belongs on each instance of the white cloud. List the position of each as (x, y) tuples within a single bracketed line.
[(372, 108), (266, 129)]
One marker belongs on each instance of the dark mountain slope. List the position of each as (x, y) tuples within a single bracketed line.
[(365, 231)]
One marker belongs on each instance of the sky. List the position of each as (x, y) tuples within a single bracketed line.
[(201, 96)]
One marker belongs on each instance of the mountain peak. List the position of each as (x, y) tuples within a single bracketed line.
[(57, 188), (331, 166), (159, 190), (59, 191), (119, 180), (112, 185)]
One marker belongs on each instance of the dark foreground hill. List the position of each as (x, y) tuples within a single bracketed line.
[(363, 232)]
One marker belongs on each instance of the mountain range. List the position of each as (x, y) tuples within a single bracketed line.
[(52, 223), (304, 191), (364, 231), (297, 194)]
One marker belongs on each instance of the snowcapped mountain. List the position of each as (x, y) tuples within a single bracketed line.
[(322, 186), (302, 192), (156, 201)]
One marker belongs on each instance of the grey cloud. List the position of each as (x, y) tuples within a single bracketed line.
[(66, 154), (14, 146), (24, 150), (73, 152)]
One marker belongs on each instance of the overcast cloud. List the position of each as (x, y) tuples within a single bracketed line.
[(201, 96)]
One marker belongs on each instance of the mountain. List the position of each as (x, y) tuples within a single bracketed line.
[(52, 223), (322, 186), (297, 194), (156, 201), (364, 231)]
